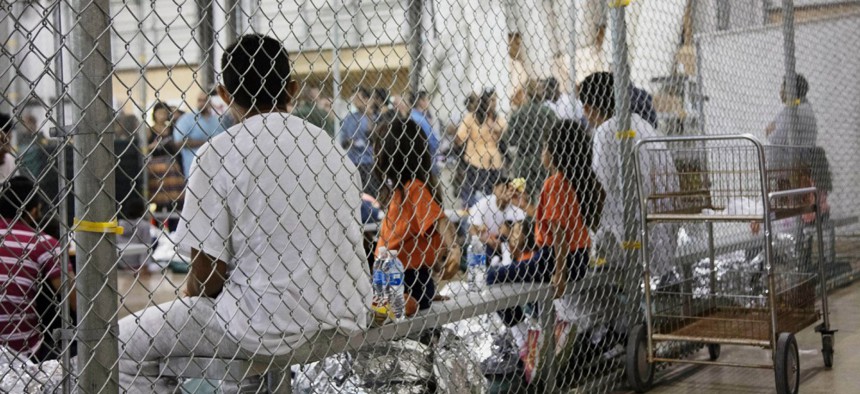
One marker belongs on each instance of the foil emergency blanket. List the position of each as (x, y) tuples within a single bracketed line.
[(397, 367), (20, 375)]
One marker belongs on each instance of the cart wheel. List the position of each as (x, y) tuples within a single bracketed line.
[(827, 349), (714, 351), (640, 373), (787, 364)]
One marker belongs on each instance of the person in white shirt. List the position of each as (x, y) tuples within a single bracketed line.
[(271, 217), (565, 105), (598, 98), (489, 214)]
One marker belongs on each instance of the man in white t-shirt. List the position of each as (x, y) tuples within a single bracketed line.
[(488, 216), (565, 105), (271, 217), (598, 98)]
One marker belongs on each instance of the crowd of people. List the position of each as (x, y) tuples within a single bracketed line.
[(275, 234)]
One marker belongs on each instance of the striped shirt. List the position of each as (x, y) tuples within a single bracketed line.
[(27, 258)]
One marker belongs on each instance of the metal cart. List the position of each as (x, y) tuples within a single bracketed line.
[(736, 179)]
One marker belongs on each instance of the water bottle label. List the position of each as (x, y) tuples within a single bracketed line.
[(477, 260), (395, 279), (378, 277)]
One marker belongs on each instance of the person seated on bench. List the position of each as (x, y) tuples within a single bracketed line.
[(488, 216), (271, 217), (524, 254), (414, 224), (31, 264)]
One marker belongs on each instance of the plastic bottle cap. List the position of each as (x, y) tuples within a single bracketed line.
[(393, 252)]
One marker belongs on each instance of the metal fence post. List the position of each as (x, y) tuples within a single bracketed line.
[(62, 211), (142, 130), (335, 61), (232, 12), (94, 184), (414, 12), (790, 69), (621, 71), (571, 47), (206, 39), (6, 78)]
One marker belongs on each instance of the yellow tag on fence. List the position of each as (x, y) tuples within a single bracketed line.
[(622, 135), (628, 245), (84, 226)]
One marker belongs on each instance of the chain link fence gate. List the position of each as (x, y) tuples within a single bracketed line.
[(522, 117)]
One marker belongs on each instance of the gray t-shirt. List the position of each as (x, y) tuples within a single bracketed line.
[(783, 154), (806, 128)]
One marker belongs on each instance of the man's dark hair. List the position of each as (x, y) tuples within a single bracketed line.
[(381, 94), (552, 89), (256, 72), (801, 83), (380, 99), (363, 91), (484, 112), (414, 98), (597, 91), (5, 123), (17, 195)]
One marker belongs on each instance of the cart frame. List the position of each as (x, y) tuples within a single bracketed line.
[(767, 215)]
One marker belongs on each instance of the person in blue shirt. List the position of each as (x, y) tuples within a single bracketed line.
[(406, 109), (195, 128), (354, 137), (432, 140)]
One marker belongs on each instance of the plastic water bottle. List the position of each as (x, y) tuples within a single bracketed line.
[(394, 287), (476, 256), (379, 280)]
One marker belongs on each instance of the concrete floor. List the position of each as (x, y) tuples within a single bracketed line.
[(843, 378)]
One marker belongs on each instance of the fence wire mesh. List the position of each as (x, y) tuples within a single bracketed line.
[(323, 196)]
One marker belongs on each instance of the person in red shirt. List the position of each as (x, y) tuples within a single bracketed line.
[(29, 259), (414, 222), (561, 234)]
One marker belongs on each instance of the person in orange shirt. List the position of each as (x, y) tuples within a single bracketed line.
[(414, 222), (561, 235)]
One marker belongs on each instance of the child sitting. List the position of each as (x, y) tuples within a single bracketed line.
[(519, 256)]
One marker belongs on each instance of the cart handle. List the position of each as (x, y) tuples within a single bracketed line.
[(792, 192)]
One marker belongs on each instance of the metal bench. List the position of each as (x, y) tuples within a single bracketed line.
[(275, 370)]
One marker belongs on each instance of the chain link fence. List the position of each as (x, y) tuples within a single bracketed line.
[(232, 195)]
